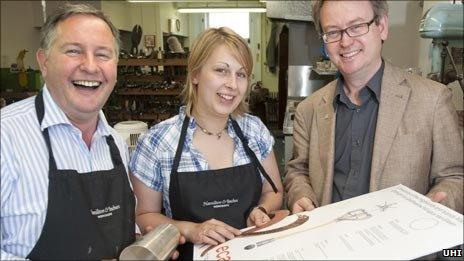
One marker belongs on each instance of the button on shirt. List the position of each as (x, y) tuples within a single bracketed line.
[(154, 154), (354, 138), (24, 167)]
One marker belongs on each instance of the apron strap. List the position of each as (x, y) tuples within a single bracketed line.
[(40, 111), (114, 151), (239, 132), (251, 154), (180, 145)]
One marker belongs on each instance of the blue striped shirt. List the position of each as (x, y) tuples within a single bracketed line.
[(24, 166), (154, 155)]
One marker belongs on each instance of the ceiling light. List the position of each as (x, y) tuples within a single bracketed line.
[(167, 1), (146, 1), (222, 10)]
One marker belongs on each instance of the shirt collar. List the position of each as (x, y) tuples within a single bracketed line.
[(376, 81), (374, 84), (54, 115)]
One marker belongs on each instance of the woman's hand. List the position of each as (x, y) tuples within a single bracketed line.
[(211, 232), (257, 217)]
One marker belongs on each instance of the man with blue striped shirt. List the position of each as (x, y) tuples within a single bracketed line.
[(65, 192)]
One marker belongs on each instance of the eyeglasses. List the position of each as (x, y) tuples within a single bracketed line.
[(352, 31)]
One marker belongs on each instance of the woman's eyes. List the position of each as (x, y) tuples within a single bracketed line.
[(226, 71), (241, 75), (220, 70)]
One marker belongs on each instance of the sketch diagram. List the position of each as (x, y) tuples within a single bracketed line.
[(385, 206), (387, 223), (352, 215), (275, 218)]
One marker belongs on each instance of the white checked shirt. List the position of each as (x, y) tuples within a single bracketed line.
[(154, 155)]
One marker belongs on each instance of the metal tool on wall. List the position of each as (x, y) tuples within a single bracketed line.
[(136, 36)]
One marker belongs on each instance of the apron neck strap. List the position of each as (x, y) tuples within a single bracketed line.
[(251, 154), (180, 145), (242, 138), (114, 151), (40, 110)]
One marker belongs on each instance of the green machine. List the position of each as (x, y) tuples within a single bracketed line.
[(443, 22)]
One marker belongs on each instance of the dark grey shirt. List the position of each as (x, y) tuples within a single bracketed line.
[(354, 138)]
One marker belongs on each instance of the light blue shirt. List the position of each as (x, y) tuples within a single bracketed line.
[(24, 166), (155, 151)]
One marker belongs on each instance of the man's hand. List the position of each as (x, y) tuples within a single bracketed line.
[(303, 204), (175, 254), (439, 196)]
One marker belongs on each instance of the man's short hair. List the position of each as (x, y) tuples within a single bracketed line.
[(49, 29), (380, 8)]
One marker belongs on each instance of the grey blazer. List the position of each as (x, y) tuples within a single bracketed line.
[(417, 141)]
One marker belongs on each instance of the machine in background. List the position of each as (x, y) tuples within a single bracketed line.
[(443, 22)]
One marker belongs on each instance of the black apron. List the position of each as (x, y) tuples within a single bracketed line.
[(89, 215), (226, 194)]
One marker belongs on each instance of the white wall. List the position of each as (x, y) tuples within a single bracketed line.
[(154, 19), (401, 47), (169, 11), (20, 28), (404, 46), (18, 21), (196, 24), (142, 14), (117, 11)]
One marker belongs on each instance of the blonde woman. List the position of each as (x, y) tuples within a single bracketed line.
[(211, 168)]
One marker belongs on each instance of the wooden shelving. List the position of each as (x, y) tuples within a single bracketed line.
[(119, 116), (150, 78), (142, 78), (153, 62), (17, 94), (156, 92), (134, 93)]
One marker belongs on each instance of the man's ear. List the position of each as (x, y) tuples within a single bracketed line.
[(383, 27), (41, 57)]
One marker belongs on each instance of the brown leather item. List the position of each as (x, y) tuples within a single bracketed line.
[(275, 217), (262, 209)]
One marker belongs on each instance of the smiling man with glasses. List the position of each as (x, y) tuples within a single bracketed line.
[(375, 126), (352, 31)]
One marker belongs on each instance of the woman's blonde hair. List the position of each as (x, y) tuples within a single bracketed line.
[(202, 49)]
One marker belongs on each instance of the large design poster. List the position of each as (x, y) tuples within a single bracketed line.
[(394, 223)]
